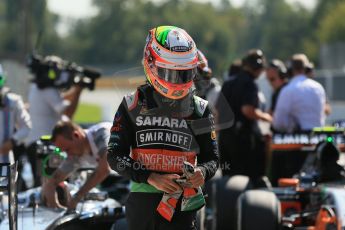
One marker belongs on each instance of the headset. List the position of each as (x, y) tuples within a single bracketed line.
[(255, 59), (279, 65)]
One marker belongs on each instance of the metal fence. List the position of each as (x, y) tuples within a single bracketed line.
[(334, 82), (332, 56)]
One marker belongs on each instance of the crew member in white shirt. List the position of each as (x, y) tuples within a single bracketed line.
[(301, 104), (15, 121), (300, 107)]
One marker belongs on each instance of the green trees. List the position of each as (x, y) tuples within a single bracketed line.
[(281, 28), (20, 23), (332, 25), (116, 35)]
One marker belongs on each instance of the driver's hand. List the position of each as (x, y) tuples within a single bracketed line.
[(197, 179), (164, 182)]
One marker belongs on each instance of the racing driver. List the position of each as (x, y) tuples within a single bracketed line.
[(160, 127)]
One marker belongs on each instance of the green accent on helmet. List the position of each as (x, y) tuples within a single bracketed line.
[(162, 33), (330, 139), (45, 162), (2, 80)]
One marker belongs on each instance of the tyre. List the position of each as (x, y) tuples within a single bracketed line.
[(210, 189), (120, 224), (227, 192), (258, 209), (201, 218)]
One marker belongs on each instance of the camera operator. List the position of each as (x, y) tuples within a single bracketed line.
[(48, 104), (15, 125)]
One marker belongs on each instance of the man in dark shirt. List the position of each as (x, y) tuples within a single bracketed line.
[(243, 146)]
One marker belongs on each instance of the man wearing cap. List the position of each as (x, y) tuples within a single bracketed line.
[(207, 86), (276, 74), (301, 104), (14, 120), (242, 145)]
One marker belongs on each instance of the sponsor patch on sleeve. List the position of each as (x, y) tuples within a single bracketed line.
[(200, 105), (132, 100)]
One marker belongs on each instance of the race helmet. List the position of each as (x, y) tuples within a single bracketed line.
[(170, 61), (2, 77)]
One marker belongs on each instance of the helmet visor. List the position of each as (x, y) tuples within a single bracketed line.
[(176, 76)]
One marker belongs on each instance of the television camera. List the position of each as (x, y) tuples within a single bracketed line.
[(53, 71)]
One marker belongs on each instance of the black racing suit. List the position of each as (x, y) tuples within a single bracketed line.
[(150, 135)]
